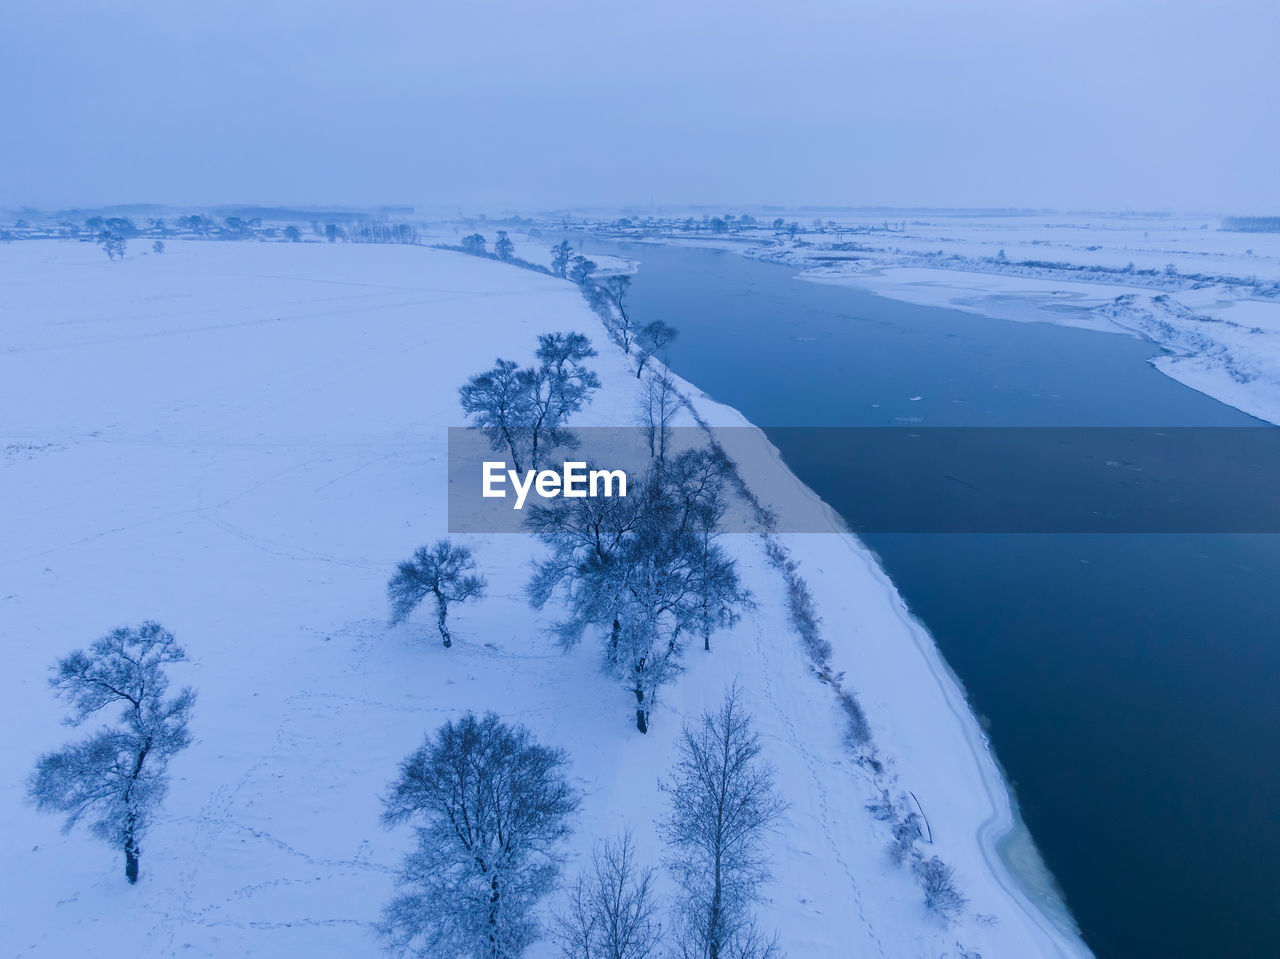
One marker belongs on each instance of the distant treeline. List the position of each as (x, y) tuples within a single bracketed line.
[(1252, 224), (114, 233)]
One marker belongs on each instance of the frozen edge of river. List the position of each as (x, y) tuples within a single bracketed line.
[(1006, 844)]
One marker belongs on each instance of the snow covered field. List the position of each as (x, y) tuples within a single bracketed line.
[(240, 440)]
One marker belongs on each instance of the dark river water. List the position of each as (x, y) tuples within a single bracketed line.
[(1129, 680)]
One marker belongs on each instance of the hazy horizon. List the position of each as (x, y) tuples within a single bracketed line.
[(994, 105)]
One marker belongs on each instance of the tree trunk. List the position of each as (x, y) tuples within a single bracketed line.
[(642, 714), (713, 940), (495, 950), (131, 853), (442, 612), (131, 850)]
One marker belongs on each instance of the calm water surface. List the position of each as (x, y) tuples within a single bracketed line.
[(1129, 680)]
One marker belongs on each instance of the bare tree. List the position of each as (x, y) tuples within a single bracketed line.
[(613, 908), (498, 399), (658, 405), (644, 569), (473, 244), (558, 387), (616, 288), (491, 809), (718, 596), (723, 802), (653, 338), (113, 243), (443, 571), (525, 410), (561, 254), (581, 270), (503, 248), (117, 777)]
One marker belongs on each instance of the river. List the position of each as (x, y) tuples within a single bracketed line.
[(1128, 682)]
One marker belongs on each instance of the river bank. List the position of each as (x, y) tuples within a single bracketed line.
[(1208, 298), (1151, 632)]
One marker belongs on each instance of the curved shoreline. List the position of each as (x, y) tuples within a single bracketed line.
[(1025, 878), (1006, 845)]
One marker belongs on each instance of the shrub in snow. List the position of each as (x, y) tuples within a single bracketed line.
[(116, 778), (723, 801), (800, 605), (906, 831), (443, 571), (612, 910), (938, 882), (490, 809), (858, 731)]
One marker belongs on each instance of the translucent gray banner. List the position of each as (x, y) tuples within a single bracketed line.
[(918, 479)]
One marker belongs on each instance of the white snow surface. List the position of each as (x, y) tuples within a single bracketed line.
[(240, 440)]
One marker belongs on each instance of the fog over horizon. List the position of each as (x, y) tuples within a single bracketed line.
[(488, 106)]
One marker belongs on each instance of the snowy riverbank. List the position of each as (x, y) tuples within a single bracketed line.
[(1208, 297), (256, 436)]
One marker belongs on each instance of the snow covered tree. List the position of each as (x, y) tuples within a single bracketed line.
[(718, 596), (616, 288), (582, 269), (558, 387), (561, 254), (117, 777), (525, 410), (658, 405), (498, 399), (503, 248), (723, 802), (644, 569), (653, 338), (113, 243), (490, 808), (473, 244), (443, 571), (613, 909)]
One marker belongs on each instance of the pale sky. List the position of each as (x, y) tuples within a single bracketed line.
[(1102, 104)]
